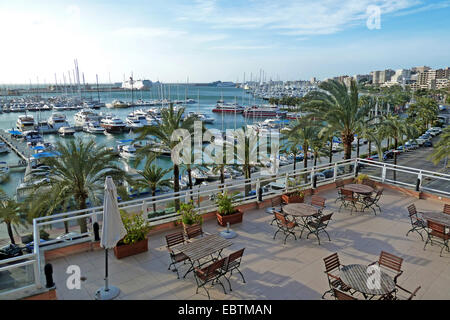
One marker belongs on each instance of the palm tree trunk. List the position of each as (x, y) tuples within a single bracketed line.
[(10, 232), (305, 160), (347, 140), (176, 185), (357, 147), (189, 171), (222, 175), (331, 150), (395, 158), (370, 148), (82, 221), (153, 196), (247, 179), (315, 158)]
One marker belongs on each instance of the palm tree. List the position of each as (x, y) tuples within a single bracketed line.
[(442, 148), (375, 134), (397, 129), (78, 175), (339, 107), (153, 177), (171, 120), (318, 149), (292, 145), (10, 214), (327, 133), (307, 132)]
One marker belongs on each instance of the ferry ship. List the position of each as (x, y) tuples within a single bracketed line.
[(264, 112), (137, 84), (228, 108)]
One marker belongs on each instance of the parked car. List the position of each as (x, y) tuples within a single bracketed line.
[(411, 144), (10, 251), (428, 144), (329, 173), (70, 236)]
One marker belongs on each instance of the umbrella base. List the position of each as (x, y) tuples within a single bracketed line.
[(102, 294), (230, 234)]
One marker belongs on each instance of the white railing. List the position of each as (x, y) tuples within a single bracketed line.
[(350, 168), (16, 263)]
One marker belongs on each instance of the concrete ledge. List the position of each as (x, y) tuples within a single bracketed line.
[(72, 249), (49, 295)]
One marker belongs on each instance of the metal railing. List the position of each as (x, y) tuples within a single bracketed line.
[(304, 178)]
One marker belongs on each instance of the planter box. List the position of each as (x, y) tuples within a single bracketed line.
[(292, 198), (231, 218), (125, 250)]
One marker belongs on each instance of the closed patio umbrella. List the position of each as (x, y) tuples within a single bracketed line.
[(112, 232)]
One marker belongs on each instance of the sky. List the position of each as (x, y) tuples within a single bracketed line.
[(209, 40)]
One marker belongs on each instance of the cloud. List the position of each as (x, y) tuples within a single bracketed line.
[(148, 32), (239, 47)]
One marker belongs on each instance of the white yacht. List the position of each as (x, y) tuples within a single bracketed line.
[(85, 116), (200, 116), (66, 131), (113, 124), (25, 123), (127, 151), (4, 171), (137, 119), (199, 175), (44, 127), (93, 127), (58, 120), (3, 148), (117, 104)]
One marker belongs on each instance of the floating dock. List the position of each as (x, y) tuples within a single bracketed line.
[(19, 147)]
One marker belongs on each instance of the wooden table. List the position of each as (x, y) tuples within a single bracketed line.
[(356, 276), (359, 188), (302, 213), (436, 216), (203, 247)]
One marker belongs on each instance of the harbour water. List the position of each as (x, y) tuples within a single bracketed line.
[(205, 96)]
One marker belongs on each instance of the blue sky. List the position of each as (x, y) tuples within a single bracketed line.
[(208, 40)]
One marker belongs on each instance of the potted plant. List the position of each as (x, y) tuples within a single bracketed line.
[(136, 240), (226, 211), (295, 197), (189, 216), (361, 178)]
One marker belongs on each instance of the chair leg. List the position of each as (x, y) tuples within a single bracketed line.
[(275, 234), (243, 279), (329, 239), (426, 242), (229, 283)]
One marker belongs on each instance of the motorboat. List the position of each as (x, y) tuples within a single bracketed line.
[(199, 175), (127, 151), (264, 112), (117, 104), (113, 124), (93, 127), (228, 108), (4, 171), (44, 127), (3, 148), (66, 131), (25, 123), (136, 119), (86, 115), (58, 120), (200, 116), (32, 136)]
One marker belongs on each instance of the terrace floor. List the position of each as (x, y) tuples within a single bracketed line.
[(274, 270)]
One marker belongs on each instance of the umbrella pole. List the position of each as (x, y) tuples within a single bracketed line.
[(106, 270)]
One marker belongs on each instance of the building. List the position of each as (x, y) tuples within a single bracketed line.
[(420, 69), (380, 77), (362, 78), (432, 79)]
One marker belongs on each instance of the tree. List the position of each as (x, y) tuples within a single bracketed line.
[(171, 121), (397, 129), (153, 177), (10, 214), (424, 112), (442, 148), (339, 107), (78, 175), (292, 145)]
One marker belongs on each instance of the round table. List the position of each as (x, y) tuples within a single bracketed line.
[(436, 216), (356, 276), (359, 188), (300, 210)]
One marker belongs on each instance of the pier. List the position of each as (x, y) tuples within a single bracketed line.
[(19, 147)]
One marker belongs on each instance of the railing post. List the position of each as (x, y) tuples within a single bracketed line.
[(258, 186), (383, 173), (286, 180), (37, 265), (355, 166), (335, 172), (312, 177), (419, 181)]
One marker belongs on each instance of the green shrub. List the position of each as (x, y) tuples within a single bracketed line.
[(136, 225), (225, 204), (188, 214)]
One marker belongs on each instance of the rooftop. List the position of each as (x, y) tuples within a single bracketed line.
[(274, 270)]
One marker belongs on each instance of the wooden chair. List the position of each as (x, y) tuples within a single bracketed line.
[(437, 231), (318, 226), (318, 202), (233, 263), (171, 241), (210, 274), (277, 206), (417, 224), (284, 225), (194, 231), (370, 183), (372, 201), (446, 208), (339, 185), (400, 293), (332, 269), (339, 295), (348, 199), (391, 263)]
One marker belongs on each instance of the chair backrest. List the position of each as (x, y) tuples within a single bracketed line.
[(276, 201), (194, 231), (412, 210), (446, 208), (281, 219), (236, 256), (348, 194), (216, 265), (379, 193), (436, 227), (332, 262), (414, 293), (339, 184), (339, 295), (318, 201), (174, 239), (390, 261), (326, 218)]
